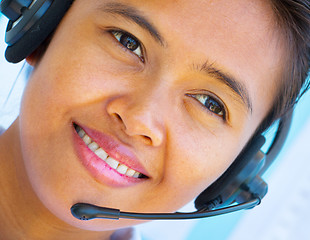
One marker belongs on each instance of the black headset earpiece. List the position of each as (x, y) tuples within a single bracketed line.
[(233, 185), (242, 181), (30, 24)]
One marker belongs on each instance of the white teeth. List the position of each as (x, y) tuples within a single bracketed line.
[(136, 175), (130, 172), (122, 169), (112, 162), (93, 146), (86, 139), (101, 153), (81, 132)]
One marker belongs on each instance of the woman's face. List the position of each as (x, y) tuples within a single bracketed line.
[(169, 89)]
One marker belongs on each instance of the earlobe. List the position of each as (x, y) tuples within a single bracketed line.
[(37, 54)]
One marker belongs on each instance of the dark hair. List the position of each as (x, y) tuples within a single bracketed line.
[(293, 21)]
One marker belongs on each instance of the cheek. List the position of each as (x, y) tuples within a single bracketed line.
[(193, 165), (57, 178), (46, 147)]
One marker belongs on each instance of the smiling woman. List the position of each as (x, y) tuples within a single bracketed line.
[(138, 105)]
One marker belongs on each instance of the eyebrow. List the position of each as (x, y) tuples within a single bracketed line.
[(135, 16), (235, 85)]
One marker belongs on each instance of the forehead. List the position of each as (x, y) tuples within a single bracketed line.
[(245, 29)]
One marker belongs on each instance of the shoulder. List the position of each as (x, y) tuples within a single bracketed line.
[(1, 130), (126, 234)]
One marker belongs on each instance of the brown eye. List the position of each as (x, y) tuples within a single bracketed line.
[(129, 42), (212, 104)]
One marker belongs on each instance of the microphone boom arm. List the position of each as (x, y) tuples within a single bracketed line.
[(85, 211)]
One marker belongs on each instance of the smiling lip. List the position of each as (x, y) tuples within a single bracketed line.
[(98, 168)]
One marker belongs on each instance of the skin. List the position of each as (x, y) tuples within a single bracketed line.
[(86, 75)]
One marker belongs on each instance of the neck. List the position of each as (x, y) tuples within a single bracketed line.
[(23, 216)]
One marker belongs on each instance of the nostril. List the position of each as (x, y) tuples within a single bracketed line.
[(147, 139), (118, 117), (134, 128)]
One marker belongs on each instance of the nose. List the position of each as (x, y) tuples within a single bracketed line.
[(138, 118)]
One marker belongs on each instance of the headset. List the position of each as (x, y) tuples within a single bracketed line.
[(239, 187)]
